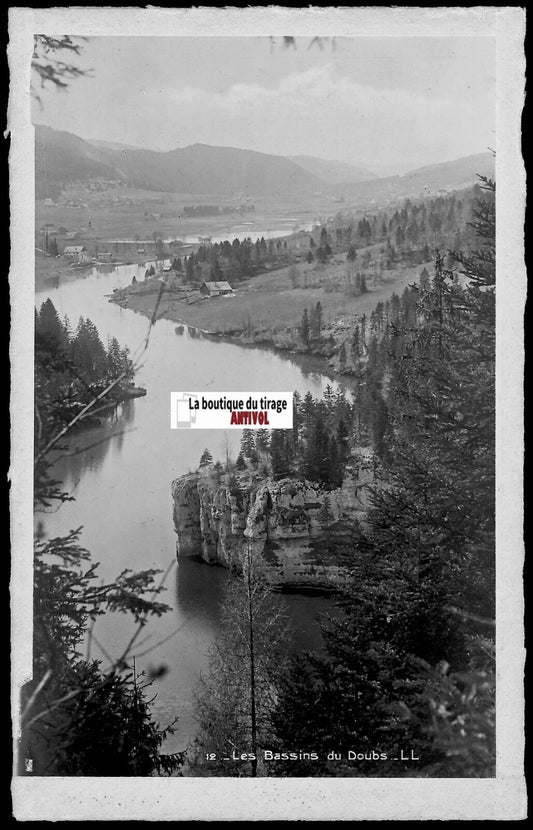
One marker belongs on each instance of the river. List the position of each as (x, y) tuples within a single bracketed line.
[(121, 481), (246, 230)]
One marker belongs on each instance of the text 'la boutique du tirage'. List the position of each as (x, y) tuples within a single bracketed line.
[(216, 410)]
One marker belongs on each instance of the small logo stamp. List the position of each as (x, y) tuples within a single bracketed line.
[(182, 412)]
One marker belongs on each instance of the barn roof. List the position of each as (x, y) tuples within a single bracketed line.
[(221, 285)]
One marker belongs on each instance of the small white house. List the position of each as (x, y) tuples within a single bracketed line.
[(74, 252)]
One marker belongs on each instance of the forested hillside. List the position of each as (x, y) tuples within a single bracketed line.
[(407, 675)]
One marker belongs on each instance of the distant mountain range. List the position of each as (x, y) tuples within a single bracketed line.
[(332, 171), (111, 145), (62, 158), (428, 180)]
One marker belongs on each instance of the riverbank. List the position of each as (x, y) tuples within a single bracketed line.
[(267, 310), (49, 268)]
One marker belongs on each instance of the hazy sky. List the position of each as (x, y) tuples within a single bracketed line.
[(390, 104)]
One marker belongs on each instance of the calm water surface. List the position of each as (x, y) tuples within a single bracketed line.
[(278, 228)]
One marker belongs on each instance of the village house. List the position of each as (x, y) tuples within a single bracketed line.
[(105, 256), (215, 289), (74, 252)]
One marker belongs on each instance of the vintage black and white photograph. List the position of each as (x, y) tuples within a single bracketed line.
[(295, 576)]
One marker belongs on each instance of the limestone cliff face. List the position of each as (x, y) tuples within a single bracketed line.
[(290, 525)]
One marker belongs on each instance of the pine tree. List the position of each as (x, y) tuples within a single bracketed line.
[(351, 256), (316, 458), (423, 279), (262, 440), (305, 328), (49, 329), (296, 420), (248, 444), (342, 440), (342, 357), (332, 471), (355, 348), (236, 696), (278, 454), (88, 352), (317, 328), (479, 265), (115, 359), (206, 459)]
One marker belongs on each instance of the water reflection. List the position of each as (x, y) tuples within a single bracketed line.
[(89, 447), (198, 592)]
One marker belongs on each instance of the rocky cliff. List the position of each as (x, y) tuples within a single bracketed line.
[(291, 525)]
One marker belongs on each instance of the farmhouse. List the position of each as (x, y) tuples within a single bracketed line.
[(74, 251), (105, 256), (215, 289)]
